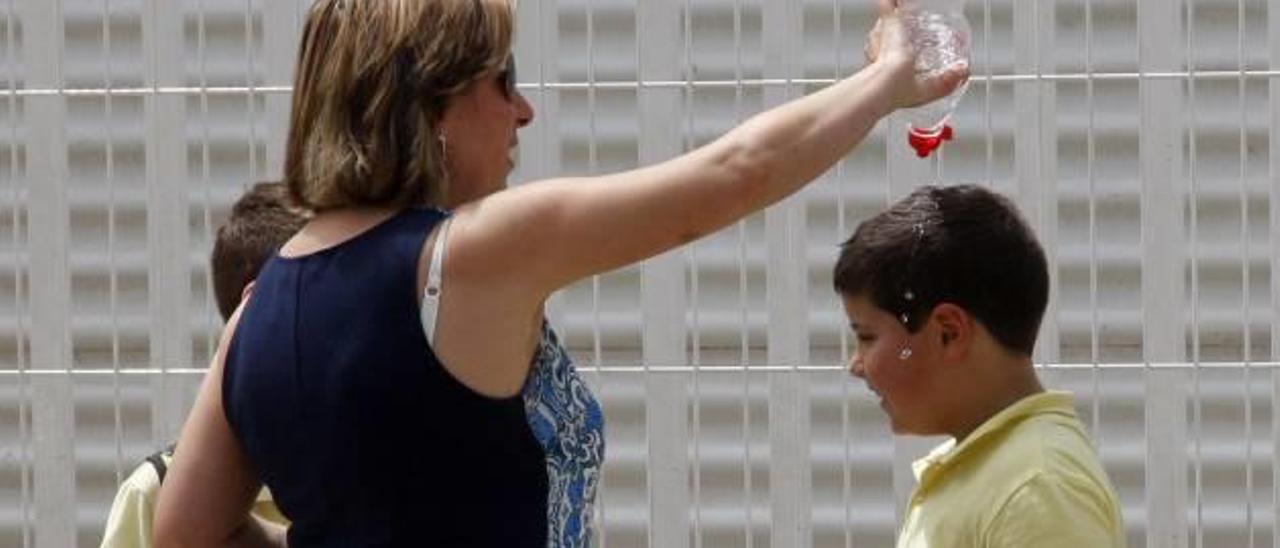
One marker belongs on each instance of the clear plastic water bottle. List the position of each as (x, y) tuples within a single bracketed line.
[(940, 34)]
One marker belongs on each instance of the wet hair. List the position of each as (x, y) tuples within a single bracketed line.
[(964, 245)]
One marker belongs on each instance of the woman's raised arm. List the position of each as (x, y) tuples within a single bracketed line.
[(563, 229)]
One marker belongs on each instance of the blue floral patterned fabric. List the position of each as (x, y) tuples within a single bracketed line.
[(568, 422)]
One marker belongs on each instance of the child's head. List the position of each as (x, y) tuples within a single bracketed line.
[(944, 277), (261, 221)]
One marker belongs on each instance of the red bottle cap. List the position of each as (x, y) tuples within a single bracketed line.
[(925, 142)]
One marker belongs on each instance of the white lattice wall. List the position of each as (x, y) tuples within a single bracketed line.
[(1136, 135)]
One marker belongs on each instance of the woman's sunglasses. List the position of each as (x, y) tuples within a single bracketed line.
[(508, 77)]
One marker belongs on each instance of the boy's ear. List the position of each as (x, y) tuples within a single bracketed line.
[(955, 329)]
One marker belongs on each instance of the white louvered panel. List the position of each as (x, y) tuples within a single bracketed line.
[(52, 479), (1163, 250), (1273, 42), (168, 288), (1035, 148), (787, 283), (662, 287), (282, 29)]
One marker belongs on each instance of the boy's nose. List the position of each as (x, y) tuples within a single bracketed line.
[(855, 366)]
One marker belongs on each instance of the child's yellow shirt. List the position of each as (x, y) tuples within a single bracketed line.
[(129, 524), (1026, 477)]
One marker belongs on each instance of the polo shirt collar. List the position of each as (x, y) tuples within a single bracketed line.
[(1043, 403)]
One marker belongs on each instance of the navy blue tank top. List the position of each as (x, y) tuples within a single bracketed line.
[(361, 434)]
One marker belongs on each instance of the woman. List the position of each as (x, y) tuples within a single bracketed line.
[(394, 383)]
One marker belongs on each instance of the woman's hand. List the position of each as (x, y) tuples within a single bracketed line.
[(889, 47)]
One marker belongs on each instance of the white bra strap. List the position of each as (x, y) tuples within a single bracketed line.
[(431, 295)]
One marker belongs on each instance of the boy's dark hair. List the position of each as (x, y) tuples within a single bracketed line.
[(964, 245), (261, 221)]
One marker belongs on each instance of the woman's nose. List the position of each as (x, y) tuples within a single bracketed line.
[(524, 110)]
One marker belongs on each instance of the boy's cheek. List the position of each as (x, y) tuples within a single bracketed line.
[(889, 375)]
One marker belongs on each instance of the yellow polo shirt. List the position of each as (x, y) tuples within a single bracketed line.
[(1026, 477), (130, 520)]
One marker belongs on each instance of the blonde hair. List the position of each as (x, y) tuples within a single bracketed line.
[(373, 79)]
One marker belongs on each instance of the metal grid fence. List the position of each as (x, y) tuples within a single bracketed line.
[(1136, 136)]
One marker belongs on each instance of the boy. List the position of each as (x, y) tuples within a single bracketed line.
[(260, 222), (945, 292)]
